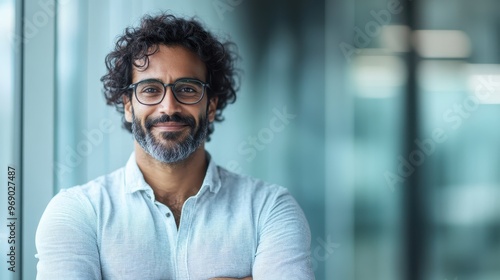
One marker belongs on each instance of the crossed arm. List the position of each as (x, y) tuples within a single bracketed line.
[(282, 251), (246, 278)]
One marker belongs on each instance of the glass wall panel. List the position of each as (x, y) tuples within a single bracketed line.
[(378, 74), (459, 80)]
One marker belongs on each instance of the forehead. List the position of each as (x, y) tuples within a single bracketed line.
[(170, 63)]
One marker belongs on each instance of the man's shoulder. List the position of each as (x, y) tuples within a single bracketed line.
[(107, 185), (83, 201), (269, 202), (232, 181)]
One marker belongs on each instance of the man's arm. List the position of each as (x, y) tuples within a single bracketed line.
[(283, 250), (66, 240), (246, 278)]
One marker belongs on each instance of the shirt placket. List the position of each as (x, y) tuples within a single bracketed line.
[(170, 227), (183, 236)]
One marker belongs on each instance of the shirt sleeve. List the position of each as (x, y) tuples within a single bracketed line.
[(283, 250), (66, 239)]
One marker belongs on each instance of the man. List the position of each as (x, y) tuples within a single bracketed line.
[(171, 212)]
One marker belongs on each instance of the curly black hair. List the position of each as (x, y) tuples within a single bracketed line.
[(137, 44)]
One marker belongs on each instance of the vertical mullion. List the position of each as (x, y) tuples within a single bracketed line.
[(19, 62), (414, 222)]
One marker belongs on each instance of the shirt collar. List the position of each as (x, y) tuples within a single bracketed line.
[(212, 177), (134, 180)]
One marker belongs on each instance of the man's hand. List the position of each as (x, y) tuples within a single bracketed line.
[(246, 278)]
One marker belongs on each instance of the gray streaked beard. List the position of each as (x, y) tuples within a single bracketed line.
[(174, 152)]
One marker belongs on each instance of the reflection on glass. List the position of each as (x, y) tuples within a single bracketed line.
[(441, 43)]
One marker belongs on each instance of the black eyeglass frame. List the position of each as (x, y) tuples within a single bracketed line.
[(172, 85)]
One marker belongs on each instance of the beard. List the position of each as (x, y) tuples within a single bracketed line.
[(170, 148)]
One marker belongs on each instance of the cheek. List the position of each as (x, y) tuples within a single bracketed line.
[(138, 115)]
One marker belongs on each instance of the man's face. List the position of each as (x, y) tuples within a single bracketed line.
[(170, 131)]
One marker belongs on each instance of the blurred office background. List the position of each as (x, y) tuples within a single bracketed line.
[(390, 147)]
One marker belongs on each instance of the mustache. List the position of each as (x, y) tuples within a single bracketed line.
[(171, 118)]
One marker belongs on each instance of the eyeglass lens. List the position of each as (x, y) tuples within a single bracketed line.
[(185, 91)]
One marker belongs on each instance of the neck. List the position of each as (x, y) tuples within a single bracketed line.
[(173, 183)]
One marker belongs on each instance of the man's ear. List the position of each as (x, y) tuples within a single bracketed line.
[(127, 108), (212, 108)]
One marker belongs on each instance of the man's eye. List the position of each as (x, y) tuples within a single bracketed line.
[(186, 90), (150, 90)]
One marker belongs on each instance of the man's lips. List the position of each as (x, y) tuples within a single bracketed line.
[(170, 126)]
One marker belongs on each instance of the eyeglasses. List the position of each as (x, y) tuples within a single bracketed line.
[(186, 91)]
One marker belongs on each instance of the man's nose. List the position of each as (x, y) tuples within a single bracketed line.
[(169, 105)]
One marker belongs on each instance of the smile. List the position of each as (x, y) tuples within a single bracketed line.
[(170, 126)]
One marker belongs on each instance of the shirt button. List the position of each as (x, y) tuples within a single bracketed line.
[(168, 215)]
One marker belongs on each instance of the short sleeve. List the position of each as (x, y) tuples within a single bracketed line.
[(66, 239), (283, 250)]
